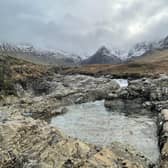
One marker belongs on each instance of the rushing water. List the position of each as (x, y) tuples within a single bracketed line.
[(122, 82), (92, 123)]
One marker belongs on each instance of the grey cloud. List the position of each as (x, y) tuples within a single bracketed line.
[(81, 26)]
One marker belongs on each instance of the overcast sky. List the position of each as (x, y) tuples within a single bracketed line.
[(82, 26)]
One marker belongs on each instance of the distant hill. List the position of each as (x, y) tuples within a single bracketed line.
[(154, 52), (152, 57), (102, 56), (38, 56), (151, 64), (141, 51), (147, 48)]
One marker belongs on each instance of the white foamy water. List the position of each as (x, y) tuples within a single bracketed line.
[(122, 82)]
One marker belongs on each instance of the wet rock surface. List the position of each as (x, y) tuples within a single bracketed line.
[(33, 100), (142, 94), (29, 142)]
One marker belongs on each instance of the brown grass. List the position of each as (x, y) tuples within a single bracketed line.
[(17, 69), (149, 65)]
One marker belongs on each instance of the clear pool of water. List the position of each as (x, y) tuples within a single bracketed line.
[(93, 123)]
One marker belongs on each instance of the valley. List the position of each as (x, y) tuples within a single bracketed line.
[(87, 114), (83, 84)]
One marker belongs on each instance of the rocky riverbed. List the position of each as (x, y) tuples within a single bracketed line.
[(27, 139)]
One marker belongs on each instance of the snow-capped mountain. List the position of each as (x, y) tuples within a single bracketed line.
[(120, 53), (140, 49), (30, 53), (7, 47), (115, 56), (102, 56), (163, 44), (143, 48)]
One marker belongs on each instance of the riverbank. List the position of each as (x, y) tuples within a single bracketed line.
[(27, 140)]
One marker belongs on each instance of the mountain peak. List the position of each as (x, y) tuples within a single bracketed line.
[(103, 51), (102, 56)]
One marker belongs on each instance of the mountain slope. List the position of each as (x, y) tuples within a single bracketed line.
[(102, 56), (140, 49), (147, 48), (38, 56), (153, 57), (154, 52), (151, 64)]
